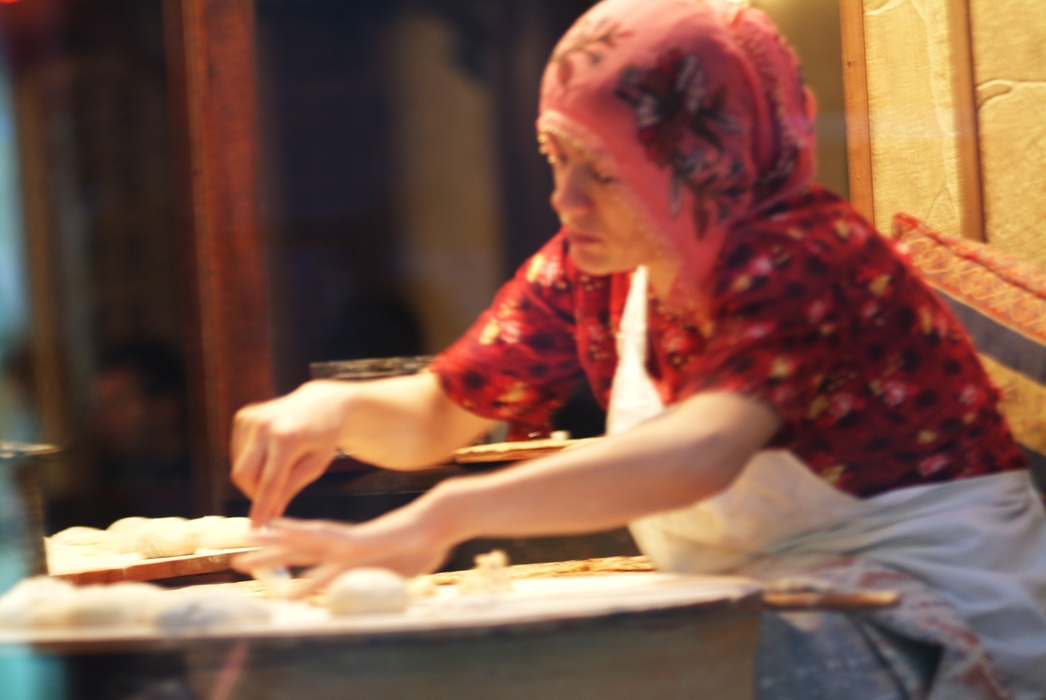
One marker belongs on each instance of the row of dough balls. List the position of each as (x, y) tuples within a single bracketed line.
[(43, 602), (151, 538)]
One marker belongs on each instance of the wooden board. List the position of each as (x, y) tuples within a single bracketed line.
[(515, 451), (120, 569), (777, 599)]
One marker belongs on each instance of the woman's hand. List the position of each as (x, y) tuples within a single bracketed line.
[(281, 446), (401, 541)]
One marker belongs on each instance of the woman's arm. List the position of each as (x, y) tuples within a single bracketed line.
[(681, 457), (281, 446)]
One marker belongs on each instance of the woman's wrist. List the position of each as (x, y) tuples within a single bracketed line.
[(341, 396), (446, 513)]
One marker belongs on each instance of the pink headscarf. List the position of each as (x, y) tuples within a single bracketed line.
[(697, 107)]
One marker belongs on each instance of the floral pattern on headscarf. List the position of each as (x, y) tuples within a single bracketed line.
[(678, 120)]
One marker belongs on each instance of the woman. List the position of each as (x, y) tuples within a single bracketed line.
[(827, 417)]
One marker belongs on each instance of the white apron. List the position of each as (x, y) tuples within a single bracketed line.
[(979, 542)]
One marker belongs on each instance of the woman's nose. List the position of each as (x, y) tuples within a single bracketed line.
[(570, 196)]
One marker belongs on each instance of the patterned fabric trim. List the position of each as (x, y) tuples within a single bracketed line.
[(1002, 286), (1023, 403)]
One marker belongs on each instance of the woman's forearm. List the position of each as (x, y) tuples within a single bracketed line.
[(670, 462), (405, 423)]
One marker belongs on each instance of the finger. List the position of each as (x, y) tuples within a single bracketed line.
[(241, 427), (320, 538), (305, 471), (273, 475), (273, 557), (247, 467), (326, 527), (305, 544), (319, 578)]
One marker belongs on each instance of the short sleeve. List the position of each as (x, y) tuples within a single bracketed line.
[(777, 312), (518, 362)]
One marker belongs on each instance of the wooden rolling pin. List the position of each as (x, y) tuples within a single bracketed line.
[(831, 600)]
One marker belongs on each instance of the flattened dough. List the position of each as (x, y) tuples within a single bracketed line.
[(40, 601), (194, 609), (123, 603)]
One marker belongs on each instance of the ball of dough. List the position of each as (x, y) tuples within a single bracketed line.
[(131, 524), (196, 609), (206, 521), (124, 533), (40, 601), (80, 537), (226, 533), (124, 603), (367, 590), (167, 537)]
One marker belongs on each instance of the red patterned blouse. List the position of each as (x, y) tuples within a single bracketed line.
[(813, 313)]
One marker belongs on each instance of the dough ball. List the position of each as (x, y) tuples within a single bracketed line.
[(196, 609), (206, 521), (167, 537), (367, 590), (124, 534), (226, 533), (40, 601), (80, 537), (125, 603), (131, 524)]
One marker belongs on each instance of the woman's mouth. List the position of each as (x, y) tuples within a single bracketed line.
[(575, 237)]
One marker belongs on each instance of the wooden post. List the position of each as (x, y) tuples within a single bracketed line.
[(211, 66), (855, 87)]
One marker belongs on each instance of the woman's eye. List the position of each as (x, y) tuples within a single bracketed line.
[(600, 177)]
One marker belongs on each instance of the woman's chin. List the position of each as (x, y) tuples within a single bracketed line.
[(593, 262)]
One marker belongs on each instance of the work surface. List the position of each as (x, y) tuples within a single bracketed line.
[(610, 636)]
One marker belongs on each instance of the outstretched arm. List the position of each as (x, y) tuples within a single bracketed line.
[(281, 446), (681, 457)]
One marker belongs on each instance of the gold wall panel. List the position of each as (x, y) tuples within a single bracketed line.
[(1009, 50), (920, 104)]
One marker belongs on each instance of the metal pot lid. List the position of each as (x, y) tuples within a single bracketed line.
[(14, 450)]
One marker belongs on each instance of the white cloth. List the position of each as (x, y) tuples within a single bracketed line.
[(633, 397), (979, 542)]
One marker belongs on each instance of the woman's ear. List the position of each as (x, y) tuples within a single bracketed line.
[(811, 103)]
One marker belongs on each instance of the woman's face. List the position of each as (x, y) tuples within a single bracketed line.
[(600, 228)]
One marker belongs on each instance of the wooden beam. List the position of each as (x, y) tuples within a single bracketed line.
[(971, 198), (31, 33), (211, 67), (855, 87)]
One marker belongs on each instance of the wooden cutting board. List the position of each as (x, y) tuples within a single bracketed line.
[(515, 451), (124, 568)]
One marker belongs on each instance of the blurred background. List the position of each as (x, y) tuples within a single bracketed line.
[(398, 185)]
